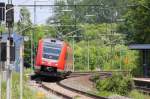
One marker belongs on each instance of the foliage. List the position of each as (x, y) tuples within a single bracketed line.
[(16, 89), (2, 28), (102, 57), (24, 27), (102, 32), (138, 95), (117, 84), (102, 11), (104, 53), (137, 22), (68, 18), (65, 20), (24, 23)]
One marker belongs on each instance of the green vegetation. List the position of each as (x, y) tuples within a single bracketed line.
[(136, 24), (137, 95), (16, 88), (104, 58), (117, 84)]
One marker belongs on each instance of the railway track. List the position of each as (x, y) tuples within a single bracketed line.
[(70, 93), (67, 92), (112, 71), (77, 74), (142, 84), (102, 74), (143, 89)]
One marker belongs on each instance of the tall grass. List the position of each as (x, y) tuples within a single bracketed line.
[(15, 90)]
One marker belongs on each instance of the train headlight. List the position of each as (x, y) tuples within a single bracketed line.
[(37, 67), (43, 62), (56, 64)]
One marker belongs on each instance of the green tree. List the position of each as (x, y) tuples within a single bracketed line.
[(24, 28), (137, 22), (65, 20), (24, 24)]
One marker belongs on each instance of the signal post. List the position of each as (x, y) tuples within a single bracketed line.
[(2, 18), (10, 44)]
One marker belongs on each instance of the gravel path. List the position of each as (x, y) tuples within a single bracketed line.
[(118, 97), (38, 90)]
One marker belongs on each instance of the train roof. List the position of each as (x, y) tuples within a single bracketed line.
[(53, 40)]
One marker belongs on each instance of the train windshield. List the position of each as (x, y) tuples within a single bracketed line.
[(51, 51)]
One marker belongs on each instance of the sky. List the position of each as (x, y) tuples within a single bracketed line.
[(42, 13)]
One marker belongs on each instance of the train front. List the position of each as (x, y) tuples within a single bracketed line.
[(50, 56)]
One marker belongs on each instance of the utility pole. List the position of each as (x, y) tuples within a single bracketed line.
[(31, 50), (9, 24), (73, 54), (112, 35), (2, 18), (0, 65), (73, 44), (88, 56), (21, 70), (8, 90), (32, 35), (73, 35)]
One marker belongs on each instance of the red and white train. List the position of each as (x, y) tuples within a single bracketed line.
[(53, 57)]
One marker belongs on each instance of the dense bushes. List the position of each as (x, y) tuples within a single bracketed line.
[(117, 84)]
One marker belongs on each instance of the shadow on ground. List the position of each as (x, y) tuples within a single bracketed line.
[(43, 78)]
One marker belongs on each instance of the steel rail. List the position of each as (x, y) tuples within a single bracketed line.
[(81, 92), (143, 89), (56, 92), (70, 89), (142, 85), (101, 72)]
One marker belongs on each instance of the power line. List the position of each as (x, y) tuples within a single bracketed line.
[(69, 5)]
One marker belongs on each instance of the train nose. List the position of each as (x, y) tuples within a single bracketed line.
[(50, 63), (54, 63)]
